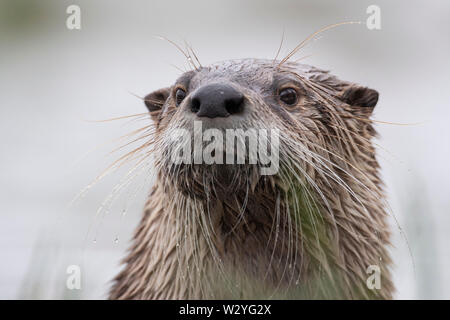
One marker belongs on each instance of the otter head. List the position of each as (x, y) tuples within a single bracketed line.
[(236, 124), (267, 176)]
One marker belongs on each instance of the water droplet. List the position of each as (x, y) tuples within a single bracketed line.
[(94, 241), (124, 212), (116, 240)]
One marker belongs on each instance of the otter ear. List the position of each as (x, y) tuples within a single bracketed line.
[(155, 101), (359, 96)]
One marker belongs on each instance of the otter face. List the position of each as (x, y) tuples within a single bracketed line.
[(297, 112), (267, 187)]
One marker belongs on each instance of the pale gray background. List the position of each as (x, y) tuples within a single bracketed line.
[(52, 78)]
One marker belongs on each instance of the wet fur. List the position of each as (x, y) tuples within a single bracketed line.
[(311, 231)]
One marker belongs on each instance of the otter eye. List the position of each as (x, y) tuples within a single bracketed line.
[(288, 96), (180, 94)]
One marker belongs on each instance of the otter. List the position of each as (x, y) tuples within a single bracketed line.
[(312, 230)]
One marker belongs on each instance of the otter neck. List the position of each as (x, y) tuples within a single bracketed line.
[(278, 243)]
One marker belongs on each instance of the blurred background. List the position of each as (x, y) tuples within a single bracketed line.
[(52, 80)]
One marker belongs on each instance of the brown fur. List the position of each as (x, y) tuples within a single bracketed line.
[(311, 231)]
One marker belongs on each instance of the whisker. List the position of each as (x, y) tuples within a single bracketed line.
[(119, 118), (310, 37), (279, 48), (195, 56), (185, 54)]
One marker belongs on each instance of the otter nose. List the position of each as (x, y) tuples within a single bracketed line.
[(217, 100)]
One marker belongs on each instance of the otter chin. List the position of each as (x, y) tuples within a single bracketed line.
[(267, 187)]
